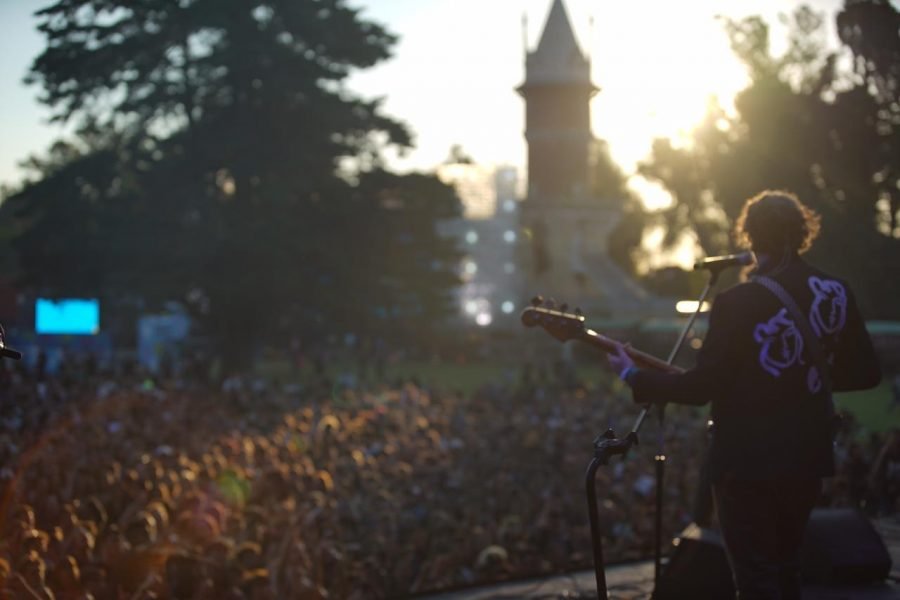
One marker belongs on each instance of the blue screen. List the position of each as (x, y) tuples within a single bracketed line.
[(70, 316)]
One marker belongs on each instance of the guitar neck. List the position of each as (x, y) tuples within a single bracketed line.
[(641, 359)]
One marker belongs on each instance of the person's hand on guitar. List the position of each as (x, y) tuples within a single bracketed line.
[(621, 363)]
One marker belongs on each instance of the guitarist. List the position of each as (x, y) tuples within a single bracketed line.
[(771, 402)]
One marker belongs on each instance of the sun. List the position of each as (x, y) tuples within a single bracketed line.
[(659, 74)]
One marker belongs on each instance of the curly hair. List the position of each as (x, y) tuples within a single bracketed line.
[(775, 221)]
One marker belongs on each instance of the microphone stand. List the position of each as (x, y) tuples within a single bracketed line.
[(608, 445), (660, 458)]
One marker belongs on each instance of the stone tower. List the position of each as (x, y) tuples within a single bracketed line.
[(565, 251), (557, 92)]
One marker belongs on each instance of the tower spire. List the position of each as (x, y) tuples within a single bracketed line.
[(590, 37), (558, 39), (525, 32), (558, 57), (557, 92)]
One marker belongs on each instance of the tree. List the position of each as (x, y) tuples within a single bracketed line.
[(608, 181), (405, 268), (800, 125), (222, 179), (869, 28)]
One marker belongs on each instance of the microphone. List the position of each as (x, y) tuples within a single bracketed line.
[(717, 263)]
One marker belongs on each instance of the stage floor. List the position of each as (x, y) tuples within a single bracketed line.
[(635, 582)]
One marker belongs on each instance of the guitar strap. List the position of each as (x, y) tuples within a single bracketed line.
[(810, 339)]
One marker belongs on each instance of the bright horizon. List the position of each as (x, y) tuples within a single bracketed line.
[(455, 67)]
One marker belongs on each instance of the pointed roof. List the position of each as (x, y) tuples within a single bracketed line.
[(558, 41), (558, 57)]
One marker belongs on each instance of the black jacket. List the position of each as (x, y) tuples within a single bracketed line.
[(762, 384)]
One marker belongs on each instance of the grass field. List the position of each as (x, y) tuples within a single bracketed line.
[(871, 407)]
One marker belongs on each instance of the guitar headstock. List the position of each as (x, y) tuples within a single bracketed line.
[(555, 319)]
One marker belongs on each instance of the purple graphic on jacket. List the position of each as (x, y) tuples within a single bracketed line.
[(828, 312), (781, 343)]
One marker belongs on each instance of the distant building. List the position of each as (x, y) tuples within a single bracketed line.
[(557, 92), (566, 226), (554, 241), (489, 234)]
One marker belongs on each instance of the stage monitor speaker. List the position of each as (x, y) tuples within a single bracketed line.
[(697, 568), (841, 546)]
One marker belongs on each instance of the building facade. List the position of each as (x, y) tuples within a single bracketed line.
[(552, 242), (566, 226)]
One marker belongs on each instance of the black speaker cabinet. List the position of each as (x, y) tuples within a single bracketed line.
[(697, 568), (840, 547)]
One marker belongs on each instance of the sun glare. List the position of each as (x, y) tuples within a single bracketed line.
[(657, 63), (658, 74), (454, 70), (652, 194), (682, 254)]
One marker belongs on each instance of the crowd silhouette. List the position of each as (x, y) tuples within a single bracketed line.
[(128, 486)]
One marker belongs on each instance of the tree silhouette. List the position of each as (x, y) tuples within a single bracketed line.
[(226, 166), (803, 125)]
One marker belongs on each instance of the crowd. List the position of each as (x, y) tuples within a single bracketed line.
[(128, 487)]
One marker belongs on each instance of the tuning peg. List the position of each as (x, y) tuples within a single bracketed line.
[(578, 311), (564, 307), (537, 301), (550, 303)]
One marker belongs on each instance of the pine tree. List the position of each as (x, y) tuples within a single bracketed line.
[(223, 146)]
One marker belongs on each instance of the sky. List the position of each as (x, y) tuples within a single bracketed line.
[(457, 63)]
